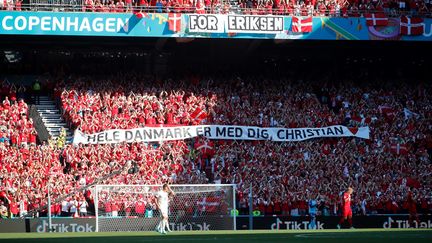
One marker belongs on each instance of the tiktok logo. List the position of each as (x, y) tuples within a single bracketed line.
[(388, 224), (404, 224), (71, 227), (294, 225)]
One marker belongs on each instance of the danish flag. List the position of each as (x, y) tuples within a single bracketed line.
[(205, 147), (378, 19), (300, 24), (364, 120), (198, 115), (411, 26), (174, 22), (209, 204), (399, 149), (387, 111), (140, 15)]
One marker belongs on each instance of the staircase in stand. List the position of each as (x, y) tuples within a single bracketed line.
[(51, 117)]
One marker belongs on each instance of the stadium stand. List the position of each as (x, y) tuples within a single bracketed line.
[(284, 175)]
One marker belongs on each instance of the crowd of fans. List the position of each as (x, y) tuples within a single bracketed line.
[(283, 176), (353, 8)]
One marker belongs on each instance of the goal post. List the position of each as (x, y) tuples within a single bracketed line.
[(193, 207)]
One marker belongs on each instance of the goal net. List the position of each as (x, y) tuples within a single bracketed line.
[(193, 207)]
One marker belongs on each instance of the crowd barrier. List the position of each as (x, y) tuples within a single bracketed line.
[(40, 225)]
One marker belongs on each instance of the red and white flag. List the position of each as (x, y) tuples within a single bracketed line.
[(399, 149), (174, 22), (384, 109), (387, 111), (140, 15), (411, 26), (198, 115), (378, 19), (300, 24), (205, 147), (209, 204)]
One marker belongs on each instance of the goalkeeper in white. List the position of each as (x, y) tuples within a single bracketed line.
[(162, 204)]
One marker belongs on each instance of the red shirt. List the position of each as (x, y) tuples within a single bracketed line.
[(277, 207), (108, 208), (32, 138), (285, 207), (115, 207), (412, 205), (347, 200), (269, 209), (14, 208), (140, 207)]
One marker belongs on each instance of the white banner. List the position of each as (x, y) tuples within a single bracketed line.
[(154, 134), (206, 23), (218, 23), (254, 24)]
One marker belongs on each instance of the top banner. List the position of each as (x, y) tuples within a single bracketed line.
[(177, 25), (156, 134)]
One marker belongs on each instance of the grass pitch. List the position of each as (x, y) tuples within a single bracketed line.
[(267, 236)]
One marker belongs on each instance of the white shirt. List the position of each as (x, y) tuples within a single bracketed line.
[(83, 206), (162, 197), (363, 204), (65, 206), (22, 207), (346, 172), (82, 181), (73, 205)]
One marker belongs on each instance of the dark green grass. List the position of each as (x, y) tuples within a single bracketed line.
[(322, 236)]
